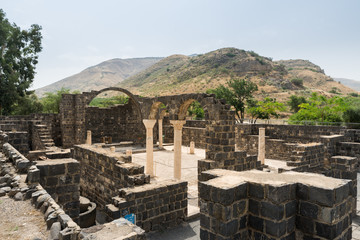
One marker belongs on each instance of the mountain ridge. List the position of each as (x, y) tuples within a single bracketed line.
[(104, 74)]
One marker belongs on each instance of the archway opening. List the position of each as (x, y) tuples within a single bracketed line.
[(114, 116)]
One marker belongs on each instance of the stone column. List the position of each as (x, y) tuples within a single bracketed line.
[(192, 147), (149, 125), (88, 137), (160, 123), (129, 152), (177, 124), (261, 154), (112, 149)]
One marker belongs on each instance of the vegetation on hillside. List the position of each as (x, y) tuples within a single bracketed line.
[(108, 102), (238, 94), (19, 51), (319, 108)]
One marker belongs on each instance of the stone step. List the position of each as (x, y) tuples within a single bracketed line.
[(131, 169), (139, 179), (58, 155), (112, 211), (294, 164)]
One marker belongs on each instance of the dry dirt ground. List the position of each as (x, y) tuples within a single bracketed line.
[(20, 220)]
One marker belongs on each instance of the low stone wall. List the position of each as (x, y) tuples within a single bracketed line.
[(104, 172), (61, 179), (157, 206), (242, 205), (193, 130), (351, 149), (19, 140), (306, 157), (19, 161)]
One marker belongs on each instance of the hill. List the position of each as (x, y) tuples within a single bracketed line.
[(349, 82), (105, 74), (178, 74)]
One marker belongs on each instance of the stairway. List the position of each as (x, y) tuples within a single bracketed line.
[(45, 136)]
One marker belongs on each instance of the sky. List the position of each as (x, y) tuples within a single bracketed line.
[(78, 34)]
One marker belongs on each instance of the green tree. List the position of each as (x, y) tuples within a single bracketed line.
[(196, 110), (51, 101), (18, 57), (237, 94), (320, 108), (108, 102), (265, 109), (27, 105), (295, 102)]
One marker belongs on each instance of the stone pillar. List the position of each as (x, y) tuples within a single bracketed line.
[(149, 125), (88, 137), (112, 149), (177, 124), (192, 147), (160, 123), (261, 154), (129, 152)]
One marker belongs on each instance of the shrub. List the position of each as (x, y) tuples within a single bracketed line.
[(297, 81)]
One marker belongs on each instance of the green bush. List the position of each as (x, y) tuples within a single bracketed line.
[(297, 81)]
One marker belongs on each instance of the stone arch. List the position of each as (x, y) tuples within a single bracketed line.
[(154, 110), (182, 111), (134, 99)]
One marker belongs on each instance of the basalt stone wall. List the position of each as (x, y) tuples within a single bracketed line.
[(297, 133), (19, 140), (61, 179), (157, 206), (306, 157), (193, 130), (18, 160), (351, 149), (343, 167), (242, 206), (103, 173), (22, 123), (121, 122)]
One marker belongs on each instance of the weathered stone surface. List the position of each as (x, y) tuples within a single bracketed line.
[(55, 231), (18, 196)]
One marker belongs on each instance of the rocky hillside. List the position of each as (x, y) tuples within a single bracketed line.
[(186, 74), (105, 74)]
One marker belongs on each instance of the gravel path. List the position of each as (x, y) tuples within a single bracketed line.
[(20, 220)]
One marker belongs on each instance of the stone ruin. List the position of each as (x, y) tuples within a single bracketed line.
[(256, 181)]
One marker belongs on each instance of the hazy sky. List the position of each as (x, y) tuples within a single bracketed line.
[(78, 33)]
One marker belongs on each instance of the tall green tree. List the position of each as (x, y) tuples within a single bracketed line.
[(265, 109), (18, 57), (237, 94), (51, 101), (27, 105), (295, 102)]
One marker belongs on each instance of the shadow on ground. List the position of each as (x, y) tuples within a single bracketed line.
[(186, 231)]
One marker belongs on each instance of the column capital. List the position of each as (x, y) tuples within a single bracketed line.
[(149, 123), (177, 124)]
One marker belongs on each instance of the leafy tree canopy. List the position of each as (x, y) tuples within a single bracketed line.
[(51, 101), (295, 102), (265, 109), (237, 94), (195, 109), (320, 108), (18, 57)]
